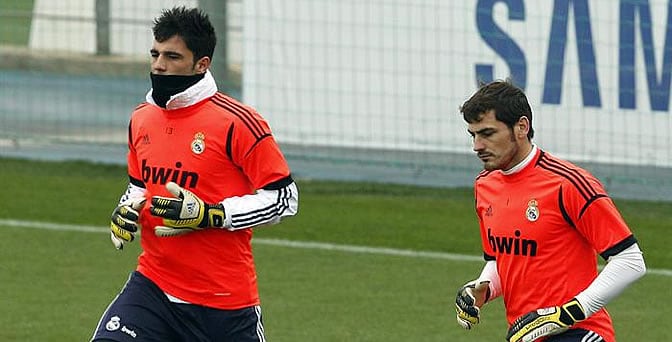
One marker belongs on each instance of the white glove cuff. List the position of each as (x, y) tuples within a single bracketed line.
[(132, 192), (489, 273)]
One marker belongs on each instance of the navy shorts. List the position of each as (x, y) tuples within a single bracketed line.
[(142, 312), (576, 335)]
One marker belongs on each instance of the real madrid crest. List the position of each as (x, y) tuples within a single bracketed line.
[(198, 145), (532, 212), (113, 324)]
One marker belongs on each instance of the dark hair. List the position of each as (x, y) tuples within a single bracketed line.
[(192, 25), (508, 101)]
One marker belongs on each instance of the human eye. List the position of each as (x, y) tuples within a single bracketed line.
[(174, 56), (487, 133)]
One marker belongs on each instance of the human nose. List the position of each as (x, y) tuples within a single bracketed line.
[(478, 143), (158, 64)]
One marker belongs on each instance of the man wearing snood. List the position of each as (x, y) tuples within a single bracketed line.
[(204, 170)]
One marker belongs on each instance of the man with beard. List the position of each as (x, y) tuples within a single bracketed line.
[(542, 222)]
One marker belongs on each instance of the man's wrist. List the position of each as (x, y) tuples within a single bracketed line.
[(216, 215)]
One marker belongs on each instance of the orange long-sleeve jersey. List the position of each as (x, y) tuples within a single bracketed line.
[(545, 225), (216, 148)]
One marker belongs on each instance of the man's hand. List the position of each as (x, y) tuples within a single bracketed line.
[(185, 213), (124, 222), (545, 322), (468, 302)]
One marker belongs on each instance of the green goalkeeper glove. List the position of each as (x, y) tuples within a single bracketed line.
[(185, 213), (546, 321), (124, 222), (470, 298)]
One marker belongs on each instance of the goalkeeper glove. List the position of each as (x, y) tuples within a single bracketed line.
[(470, 298), (546, 321), (185, 213), (124, 222)]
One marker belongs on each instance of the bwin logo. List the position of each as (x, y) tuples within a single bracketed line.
[(512, 245), (162, 175), (129, 332)]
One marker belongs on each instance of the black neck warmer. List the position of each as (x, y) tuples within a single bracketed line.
[(165, 86)]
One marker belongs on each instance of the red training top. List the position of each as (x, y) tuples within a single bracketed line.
[(543, 226), (217, 148)]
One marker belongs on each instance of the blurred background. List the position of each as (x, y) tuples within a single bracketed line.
[(359, 90)]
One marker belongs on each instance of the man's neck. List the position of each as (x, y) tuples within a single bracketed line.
[(531, 151)]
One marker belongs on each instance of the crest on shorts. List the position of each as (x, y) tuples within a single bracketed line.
[(113, 324), (532, 211), (198, 145)]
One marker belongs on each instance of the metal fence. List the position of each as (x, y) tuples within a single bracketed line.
[(71, 71)]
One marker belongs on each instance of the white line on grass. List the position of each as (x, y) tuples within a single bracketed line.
[(290, 243)]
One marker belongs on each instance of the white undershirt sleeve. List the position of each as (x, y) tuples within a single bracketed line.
[(265, 207), (621, 270)]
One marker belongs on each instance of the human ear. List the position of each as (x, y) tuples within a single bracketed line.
[(522, 127), (202, 65)]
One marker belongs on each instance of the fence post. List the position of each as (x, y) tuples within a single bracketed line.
[(217, 11), (102, 27)]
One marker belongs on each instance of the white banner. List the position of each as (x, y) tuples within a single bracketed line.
[(393, 74), (70, 25)]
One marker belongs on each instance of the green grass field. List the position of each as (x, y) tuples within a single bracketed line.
[(16, 17), (55, 283)]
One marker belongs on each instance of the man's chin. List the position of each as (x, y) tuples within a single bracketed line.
[(490, 167)]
